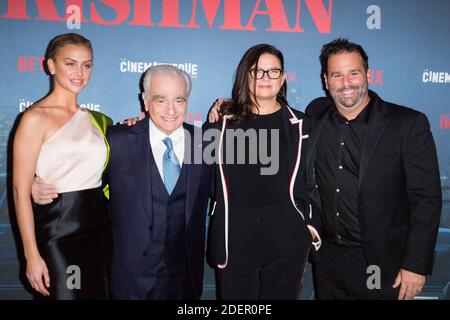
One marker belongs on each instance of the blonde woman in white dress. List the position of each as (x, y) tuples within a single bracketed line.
[(66, 243)]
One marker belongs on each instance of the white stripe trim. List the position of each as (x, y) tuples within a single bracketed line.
[(294, 120), (299, 122), (225, 193)]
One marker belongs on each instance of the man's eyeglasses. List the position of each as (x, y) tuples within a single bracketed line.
[(271, 73)]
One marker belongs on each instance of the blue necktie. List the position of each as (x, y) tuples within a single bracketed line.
[(171, 166)]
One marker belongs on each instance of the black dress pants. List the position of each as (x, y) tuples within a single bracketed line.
[(342, 274), (268, 250)]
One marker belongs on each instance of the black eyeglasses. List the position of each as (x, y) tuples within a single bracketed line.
[(271, 73)]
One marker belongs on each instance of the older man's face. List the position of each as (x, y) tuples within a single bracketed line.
[(166, 102)]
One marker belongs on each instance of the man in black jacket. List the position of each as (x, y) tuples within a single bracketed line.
[(373, 175)]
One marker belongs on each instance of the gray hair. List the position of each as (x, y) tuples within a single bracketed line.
[(166, 69)]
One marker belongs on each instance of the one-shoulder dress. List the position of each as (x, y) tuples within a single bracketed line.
[(73, 233)]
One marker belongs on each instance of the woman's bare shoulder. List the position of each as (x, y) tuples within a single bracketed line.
[(38, 112), (39, 118)]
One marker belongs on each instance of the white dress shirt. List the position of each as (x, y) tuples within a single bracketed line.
[(158, 146)]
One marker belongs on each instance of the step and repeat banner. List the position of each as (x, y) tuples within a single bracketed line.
[(407, 42)]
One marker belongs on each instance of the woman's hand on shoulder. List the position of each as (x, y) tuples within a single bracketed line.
[(213, 115), (131, 121)]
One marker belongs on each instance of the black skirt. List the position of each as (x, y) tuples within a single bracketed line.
[(74, 239)]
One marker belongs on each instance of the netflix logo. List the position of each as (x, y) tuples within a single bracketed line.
[(291, 77), (375, 77), (30, 64), (445, 121)]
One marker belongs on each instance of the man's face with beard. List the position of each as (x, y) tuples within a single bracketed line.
[(347, 81)]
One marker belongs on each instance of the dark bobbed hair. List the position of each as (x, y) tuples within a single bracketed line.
[(240, 107)]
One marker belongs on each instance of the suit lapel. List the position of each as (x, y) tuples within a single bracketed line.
[(292, 138), (316, 129), (377, 123), (193, 170), (141, 156), (313, 138)]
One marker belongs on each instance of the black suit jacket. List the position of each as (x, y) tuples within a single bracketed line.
[(216, 253), (399, 192), (131, 208)]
